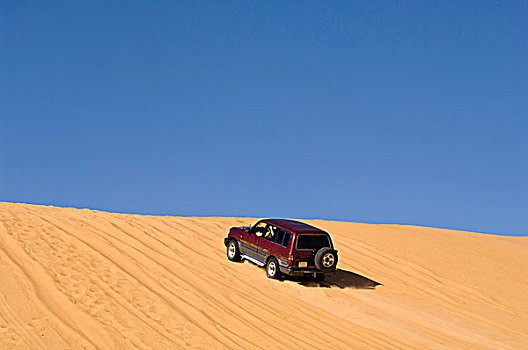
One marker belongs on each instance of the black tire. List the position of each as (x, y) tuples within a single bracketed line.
[(326, 259), (272, 268), (233, 252)]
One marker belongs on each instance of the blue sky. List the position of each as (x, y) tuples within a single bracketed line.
[(401, 112)]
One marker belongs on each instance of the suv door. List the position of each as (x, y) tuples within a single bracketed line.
[(266, 242), (307, 244), (253, 238), (281, 247), (245, 244)]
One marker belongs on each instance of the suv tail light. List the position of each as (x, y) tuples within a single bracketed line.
[(290, 260)]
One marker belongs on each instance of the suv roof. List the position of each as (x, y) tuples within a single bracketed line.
[(294, 226)]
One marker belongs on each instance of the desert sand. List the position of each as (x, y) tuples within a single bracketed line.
[(86, 279)]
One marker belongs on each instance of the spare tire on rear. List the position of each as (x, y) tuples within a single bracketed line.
[(326, 259)]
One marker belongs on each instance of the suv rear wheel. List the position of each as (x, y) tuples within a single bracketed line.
[(272, 268), (233, 253)]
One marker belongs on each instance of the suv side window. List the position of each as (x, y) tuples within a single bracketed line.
[(259, 229), (270, 233), (279, 236), (287, 239)]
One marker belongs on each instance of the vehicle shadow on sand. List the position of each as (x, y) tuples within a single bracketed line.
[(342, 279)]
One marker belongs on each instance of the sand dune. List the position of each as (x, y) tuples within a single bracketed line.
[(84, 279)]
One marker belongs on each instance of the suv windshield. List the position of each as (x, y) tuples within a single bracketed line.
[(312, 241)]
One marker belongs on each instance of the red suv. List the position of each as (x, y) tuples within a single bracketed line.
[(285, 247)]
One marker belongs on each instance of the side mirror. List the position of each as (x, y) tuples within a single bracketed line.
[(246, 230)]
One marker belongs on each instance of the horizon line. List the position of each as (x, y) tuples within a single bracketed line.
[(257, 216)]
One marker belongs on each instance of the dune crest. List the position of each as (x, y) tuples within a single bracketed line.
[(85, 279)]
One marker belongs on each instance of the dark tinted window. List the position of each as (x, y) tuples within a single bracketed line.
[(312, 241), (287, 239), (279, 236)]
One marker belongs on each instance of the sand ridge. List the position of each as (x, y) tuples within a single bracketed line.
[(86, 279)]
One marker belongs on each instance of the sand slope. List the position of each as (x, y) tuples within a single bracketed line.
[(83, 279)]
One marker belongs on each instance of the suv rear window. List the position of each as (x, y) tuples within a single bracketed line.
[(312, 241)]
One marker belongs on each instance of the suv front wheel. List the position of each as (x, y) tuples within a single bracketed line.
[(272, 268), (233, 253)]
